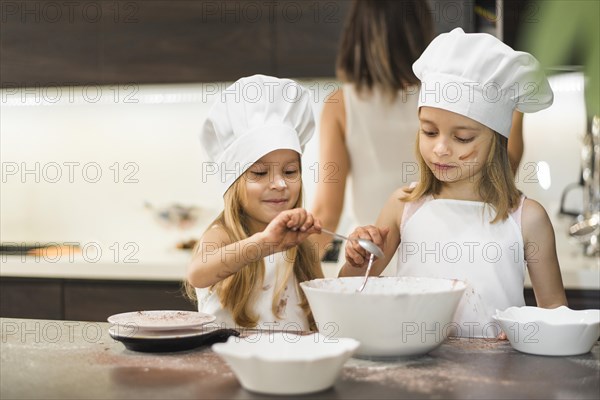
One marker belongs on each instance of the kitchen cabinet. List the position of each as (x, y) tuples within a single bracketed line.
[(125, 42), (31, 298), (505, 19), (86, 300), (129, 43), (578, 299), (95, 300)]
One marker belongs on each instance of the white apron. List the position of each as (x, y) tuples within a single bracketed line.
[(293, 317), (454, 239)]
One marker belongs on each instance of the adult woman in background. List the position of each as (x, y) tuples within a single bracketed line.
[(367, 128)]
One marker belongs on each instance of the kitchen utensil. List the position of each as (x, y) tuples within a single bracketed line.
[(161, 320), (550, 332), (413, 315), (368, 246), (586, 227), (175, 215), (52, 249), (364, 243), (371, 259), (284, 363), (166, 341)]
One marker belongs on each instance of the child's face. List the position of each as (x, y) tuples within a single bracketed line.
[(453, 146), (273, 184)]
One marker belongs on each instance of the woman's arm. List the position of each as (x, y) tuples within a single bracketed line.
[(386, 234), (515, 142), (334, 166), (540, 254)]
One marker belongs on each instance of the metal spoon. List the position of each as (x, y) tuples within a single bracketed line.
[(371, 259), (368, 246), (364, 243)]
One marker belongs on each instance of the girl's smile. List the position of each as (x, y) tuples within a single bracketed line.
[(272, 185), (277, 203)]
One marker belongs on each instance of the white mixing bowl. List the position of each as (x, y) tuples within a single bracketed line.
[(550, 332), (391, 317), (284, 363)]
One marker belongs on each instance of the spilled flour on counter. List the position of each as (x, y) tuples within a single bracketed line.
[(589, 363), (428, 375), (201, 361), (477, 345), (442, 377)]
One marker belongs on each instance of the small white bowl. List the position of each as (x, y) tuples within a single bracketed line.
[(550, 332), (391, 317), (284, 363)]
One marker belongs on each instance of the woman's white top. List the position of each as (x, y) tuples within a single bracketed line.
[(380, 138), (293, 317), (454, 239)]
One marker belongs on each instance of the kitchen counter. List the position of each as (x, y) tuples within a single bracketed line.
[(578, 271), (154, 261), (71, 359), (155, 265)]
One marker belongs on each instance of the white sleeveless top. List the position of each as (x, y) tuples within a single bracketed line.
[(380, 138), (293, 317), (454, 239)]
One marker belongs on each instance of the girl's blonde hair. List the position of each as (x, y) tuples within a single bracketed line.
[(496, 186), (238, 292)]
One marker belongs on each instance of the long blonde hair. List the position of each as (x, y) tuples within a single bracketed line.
[(237, 293), (496, 186)]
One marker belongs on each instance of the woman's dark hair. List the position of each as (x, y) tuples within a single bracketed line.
[(381, 40)]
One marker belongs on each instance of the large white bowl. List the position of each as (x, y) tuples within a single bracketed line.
[(392, 317), (550, 332), (285, 364)]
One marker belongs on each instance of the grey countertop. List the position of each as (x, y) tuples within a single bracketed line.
[(74, 359)]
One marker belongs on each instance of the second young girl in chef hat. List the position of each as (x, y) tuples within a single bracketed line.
[(248, 263), (465, 218)]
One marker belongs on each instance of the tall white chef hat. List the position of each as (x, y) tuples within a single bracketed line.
[(478, 76), (253, 117)]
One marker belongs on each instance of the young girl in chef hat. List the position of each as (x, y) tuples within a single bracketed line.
[(465, 218), (248, 263)]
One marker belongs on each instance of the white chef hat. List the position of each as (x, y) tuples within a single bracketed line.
[(253, 117), (478, 76)]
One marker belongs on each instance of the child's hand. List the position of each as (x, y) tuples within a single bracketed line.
[(289, 229), (358, 257)]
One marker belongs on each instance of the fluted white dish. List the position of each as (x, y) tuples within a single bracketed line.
[(283, 363), (550, 332), (392, 317)]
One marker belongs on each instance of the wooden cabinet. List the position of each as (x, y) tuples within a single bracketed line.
[(181, 41), (86, 300), (578, 299), (505, 19), (95, 300), (175, 41), (306, 42), (31, 298)]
